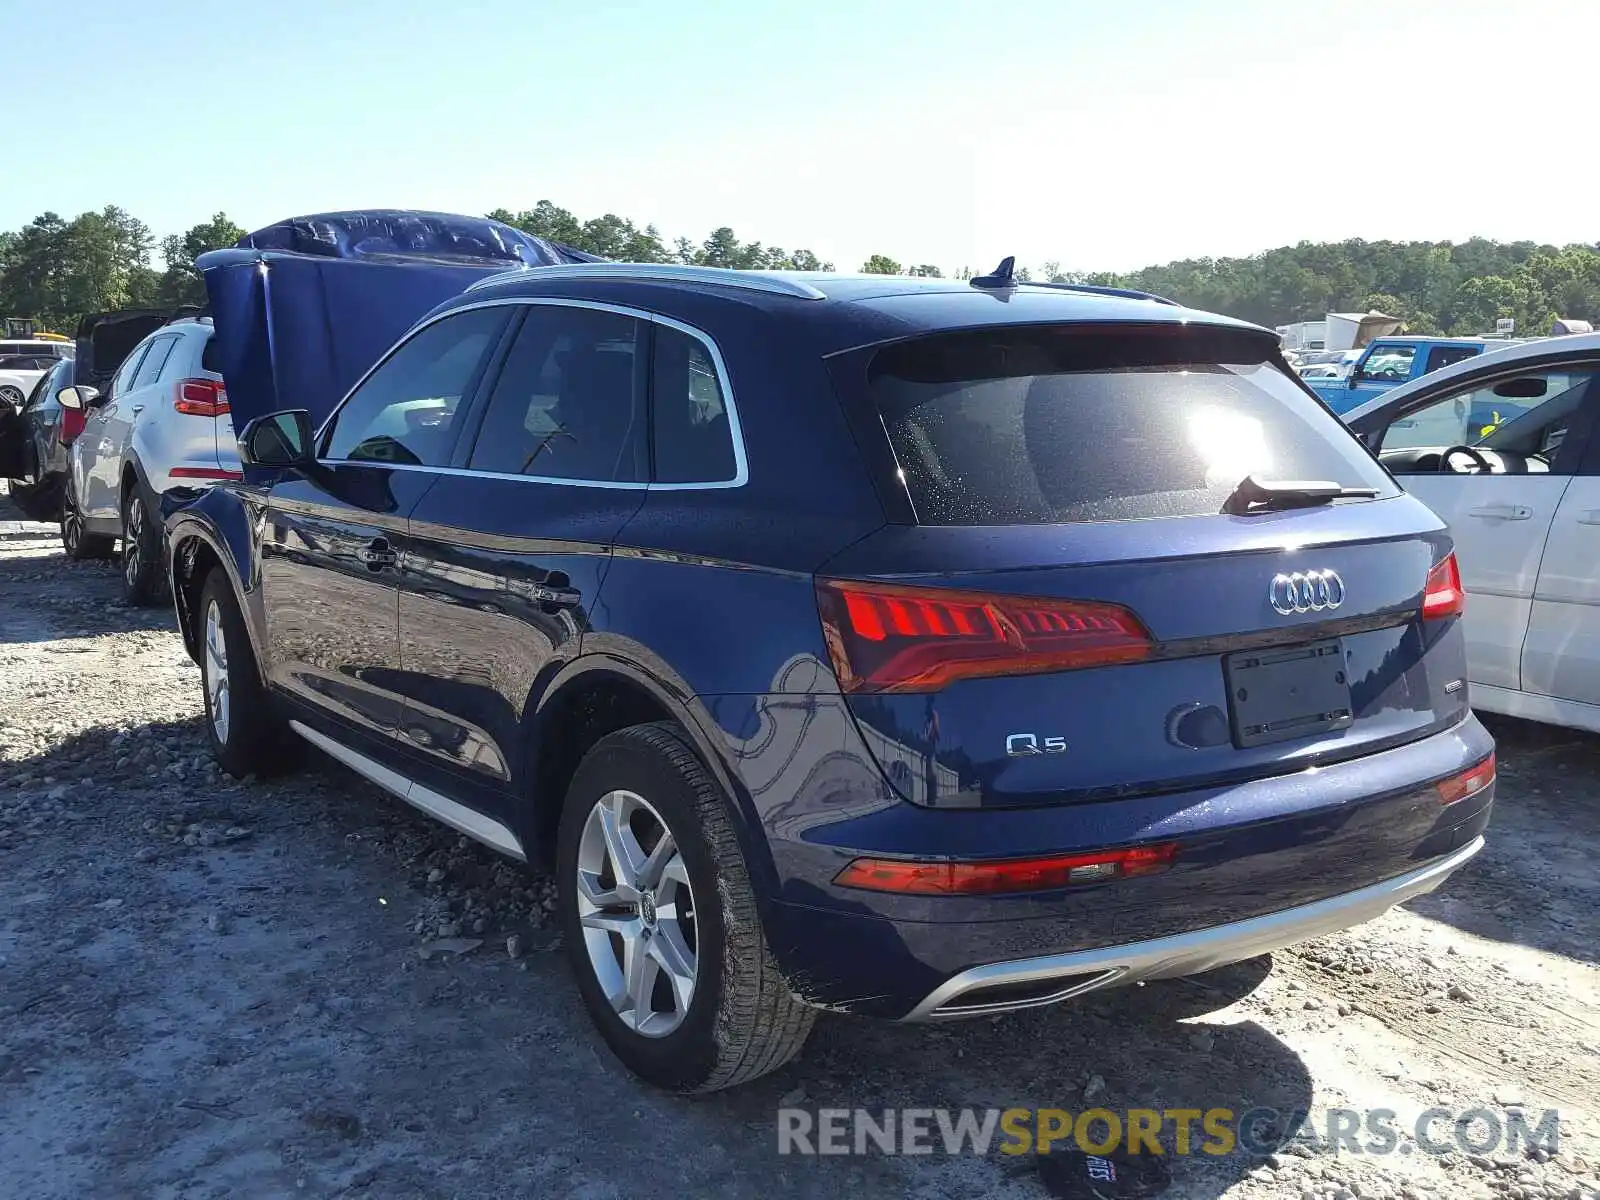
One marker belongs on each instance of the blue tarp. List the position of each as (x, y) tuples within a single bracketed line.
[(302, 308)]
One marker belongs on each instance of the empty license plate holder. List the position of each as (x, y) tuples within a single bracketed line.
[(1287, 692)]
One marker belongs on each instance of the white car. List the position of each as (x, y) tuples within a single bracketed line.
[(23, 363), (1504, 447), (162, 425)]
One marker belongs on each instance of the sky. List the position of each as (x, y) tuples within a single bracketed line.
[(1103, 136)]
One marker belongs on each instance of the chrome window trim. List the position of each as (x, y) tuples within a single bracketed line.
[(750, 281), (741, 473)]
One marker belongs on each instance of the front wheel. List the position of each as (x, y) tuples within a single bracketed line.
[(76, 540), (143, 581), (660, 919)]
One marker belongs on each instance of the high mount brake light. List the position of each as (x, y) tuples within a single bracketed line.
[(1442, 595), (1005, 875), (888, 638), (200, 397)]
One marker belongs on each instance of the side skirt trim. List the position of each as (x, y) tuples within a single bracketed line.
[(458, 816)]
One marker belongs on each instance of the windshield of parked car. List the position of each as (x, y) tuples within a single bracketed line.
[(1049, 424)]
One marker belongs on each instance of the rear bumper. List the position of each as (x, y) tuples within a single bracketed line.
[(1259, 865), (1030, 982)]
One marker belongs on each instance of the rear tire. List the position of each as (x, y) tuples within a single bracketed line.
[(143, 579), (247, 735), (78, 542), (703, 1006)]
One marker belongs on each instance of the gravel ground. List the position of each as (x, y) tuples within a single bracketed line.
[(218, 987)]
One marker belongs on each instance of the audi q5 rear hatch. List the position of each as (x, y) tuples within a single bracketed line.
[(1139, 558)]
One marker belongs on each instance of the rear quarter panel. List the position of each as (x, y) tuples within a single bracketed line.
[(221, 519)]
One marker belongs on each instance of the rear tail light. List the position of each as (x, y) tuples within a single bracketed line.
[(1469, 783), (201, 397), (885, 638), (1442, 596), (72, 423), (1005, 875)]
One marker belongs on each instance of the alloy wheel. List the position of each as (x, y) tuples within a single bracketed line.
[(11, 396), (71, 526), (637, 910), (132, 536), (216, 671)]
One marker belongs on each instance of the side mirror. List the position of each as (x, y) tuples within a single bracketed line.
[(280, 439), (77, 398), (1356, 376)]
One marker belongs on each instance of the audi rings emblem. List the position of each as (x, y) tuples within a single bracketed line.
[(1306, 591)]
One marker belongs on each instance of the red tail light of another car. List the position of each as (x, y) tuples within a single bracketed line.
[(200, 397)]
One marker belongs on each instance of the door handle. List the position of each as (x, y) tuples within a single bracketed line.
[(137, 409), (1502, 512), (376, 554), (1592, 517)]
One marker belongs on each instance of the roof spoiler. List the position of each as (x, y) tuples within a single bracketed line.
[(1004, 277)]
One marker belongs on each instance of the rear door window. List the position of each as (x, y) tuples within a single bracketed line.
[(568, 401), (120, 381), (1445, 356), (1048, 424), (692, 437), (155, 358)]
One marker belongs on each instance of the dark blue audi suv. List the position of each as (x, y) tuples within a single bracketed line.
[(906, 647)]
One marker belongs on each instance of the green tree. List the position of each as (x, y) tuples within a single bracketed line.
[(180, 283), (925, 271), (1482, 301), (57, 270), (880, 264)]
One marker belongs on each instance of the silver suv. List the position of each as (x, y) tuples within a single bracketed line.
[(162, 425)]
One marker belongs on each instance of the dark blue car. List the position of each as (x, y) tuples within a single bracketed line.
[(912, 648)]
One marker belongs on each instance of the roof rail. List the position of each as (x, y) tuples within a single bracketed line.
[(189, 312), (1095, 289), (752, 281)]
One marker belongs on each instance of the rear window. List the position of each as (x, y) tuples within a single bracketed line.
[(1041, 425), (211, 357)]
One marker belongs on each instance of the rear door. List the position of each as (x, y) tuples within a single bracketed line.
[(506, 555), (1526, 433), (333, 537), (1076, 614)]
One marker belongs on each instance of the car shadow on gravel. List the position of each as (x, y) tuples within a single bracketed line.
[(1537, 881), (1121, 1050), (300, 931)]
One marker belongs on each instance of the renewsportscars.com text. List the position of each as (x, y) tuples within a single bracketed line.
[(1211, 1131)]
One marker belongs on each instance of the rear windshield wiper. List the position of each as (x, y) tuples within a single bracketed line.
[(1270, 495)]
